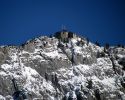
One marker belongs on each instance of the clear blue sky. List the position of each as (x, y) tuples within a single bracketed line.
[(99, 20)]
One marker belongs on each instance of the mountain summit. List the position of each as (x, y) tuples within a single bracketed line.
[(63, 67)]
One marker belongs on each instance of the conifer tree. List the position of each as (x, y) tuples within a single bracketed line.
[(56, 80), (70, 96), (81, 87), (87, 41), (97, 43), (119, 45), (50, 35), (97, 94), (72, 59), (46, 76), (107, 45), (98, 54), (123, 82), (52, 79), (79, 96), (89, 86), (113, 64), (64, 98)]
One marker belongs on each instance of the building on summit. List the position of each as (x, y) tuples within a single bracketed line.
[(65, 35)]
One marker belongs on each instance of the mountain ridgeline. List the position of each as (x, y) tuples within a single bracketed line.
[(62, 67)]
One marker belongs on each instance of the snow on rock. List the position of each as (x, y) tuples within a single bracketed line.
[(48, 71), (2, 98)]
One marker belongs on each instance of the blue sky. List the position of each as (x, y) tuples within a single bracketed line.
[(99, 20)]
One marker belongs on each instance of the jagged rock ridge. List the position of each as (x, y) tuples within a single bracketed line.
[(52, 69)]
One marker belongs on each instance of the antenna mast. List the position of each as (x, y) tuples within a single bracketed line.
[(63, 27)]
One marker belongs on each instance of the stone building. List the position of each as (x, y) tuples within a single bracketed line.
[(65, 35)]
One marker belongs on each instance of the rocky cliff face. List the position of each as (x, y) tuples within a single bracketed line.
[(48, 69)]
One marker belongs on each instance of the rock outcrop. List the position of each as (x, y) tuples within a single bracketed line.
[(48, 69)]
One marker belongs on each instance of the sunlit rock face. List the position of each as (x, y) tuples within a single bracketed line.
[(53, 69)]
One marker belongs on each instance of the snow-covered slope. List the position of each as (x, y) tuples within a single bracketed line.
[(48, 69)]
